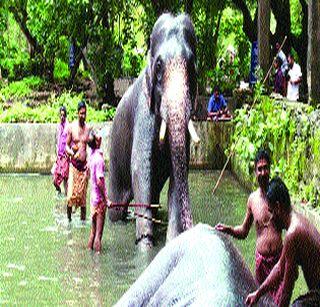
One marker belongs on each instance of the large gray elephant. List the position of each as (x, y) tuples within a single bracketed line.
[(201, 267), (143, 155)]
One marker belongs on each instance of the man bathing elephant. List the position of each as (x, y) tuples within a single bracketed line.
[(269, 242), (150, 140), (201, 267)]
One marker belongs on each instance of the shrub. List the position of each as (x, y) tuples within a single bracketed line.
[(48, 113), (20, 89), (291, 133), (61, 70)]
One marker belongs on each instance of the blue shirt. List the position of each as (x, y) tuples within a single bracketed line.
[(215, 105)]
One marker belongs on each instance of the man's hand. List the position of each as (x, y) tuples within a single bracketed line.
[(222, 228), (76, 156), (252, 298), (109, 203)]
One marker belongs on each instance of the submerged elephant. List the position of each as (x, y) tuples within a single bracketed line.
[(143, 155), (201, 267)]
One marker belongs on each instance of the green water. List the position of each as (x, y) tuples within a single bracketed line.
[(44, 260)]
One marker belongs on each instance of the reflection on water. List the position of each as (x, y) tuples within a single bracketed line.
[(44, 259)]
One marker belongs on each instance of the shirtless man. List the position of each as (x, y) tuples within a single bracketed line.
[(269, 242), (76, 148), (301, 246)]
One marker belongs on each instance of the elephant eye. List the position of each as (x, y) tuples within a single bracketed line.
[(158, 70)]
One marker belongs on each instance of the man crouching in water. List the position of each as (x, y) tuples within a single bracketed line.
[(269, 242), (76, 147)]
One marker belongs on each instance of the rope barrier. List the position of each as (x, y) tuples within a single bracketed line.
[(139, 205)]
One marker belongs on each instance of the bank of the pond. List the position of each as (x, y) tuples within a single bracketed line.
[(290, 130), (31, 148)]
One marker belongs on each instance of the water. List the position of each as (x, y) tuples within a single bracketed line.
[(44, 259)]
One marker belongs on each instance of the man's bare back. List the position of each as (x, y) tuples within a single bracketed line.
[(303, 240)]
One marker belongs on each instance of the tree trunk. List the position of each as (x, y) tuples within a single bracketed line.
[(215, 40), (39, 65), (75, 67), (313, 72), (109, 95), (188, 6), (263, 34), (92, 71), (249, 25)]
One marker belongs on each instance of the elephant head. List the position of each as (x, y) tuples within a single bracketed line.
[(171, 87)]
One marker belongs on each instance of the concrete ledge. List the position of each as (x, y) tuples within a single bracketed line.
[(31, 148)]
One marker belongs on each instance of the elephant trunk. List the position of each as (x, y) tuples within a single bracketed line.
[(178, 107)]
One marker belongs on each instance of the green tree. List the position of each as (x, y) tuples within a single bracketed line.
[(291, 21)]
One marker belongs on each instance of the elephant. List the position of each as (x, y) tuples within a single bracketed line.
[(150, 140), (200, 267)]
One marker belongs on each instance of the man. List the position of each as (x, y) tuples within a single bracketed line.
[(269, 242), (294, 79), (217, 106), (301, 246), (279, 80), (61, 166), (283, 58), (78, 136)]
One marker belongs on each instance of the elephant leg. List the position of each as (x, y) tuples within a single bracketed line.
[(142, 195), (119, 192), (119, 212)]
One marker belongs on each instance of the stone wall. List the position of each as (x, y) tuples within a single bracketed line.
[(31, 148)]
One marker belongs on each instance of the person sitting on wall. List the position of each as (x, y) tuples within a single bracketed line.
[(217, 107)]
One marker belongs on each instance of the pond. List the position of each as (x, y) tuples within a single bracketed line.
[(44, 259)]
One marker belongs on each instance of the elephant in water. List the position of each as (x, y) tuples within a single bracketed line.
[(150, 138), (201, 267)]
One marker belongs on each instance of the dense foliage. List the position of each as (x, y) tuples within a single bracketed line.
[(15, 105), (291, 134), (110, 38)]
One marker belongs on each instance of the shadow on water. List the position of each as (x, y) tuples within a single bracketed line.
[(44, 259)]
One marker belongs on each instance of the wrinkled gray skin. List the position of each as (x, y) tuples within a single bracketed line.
[(201, 267), (139, 164)]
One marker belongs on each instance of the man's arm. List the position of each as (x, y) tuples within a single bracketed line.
[(210, 104), (69, 150), (290, 275), (241, 231), (101, 185), (223, 102)]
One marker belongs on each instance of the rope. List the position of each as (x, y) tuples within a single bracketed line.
[(136, 205)]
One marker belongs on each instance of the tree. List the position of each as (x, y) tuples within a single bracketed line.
[(19, 11), (281, 9)]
